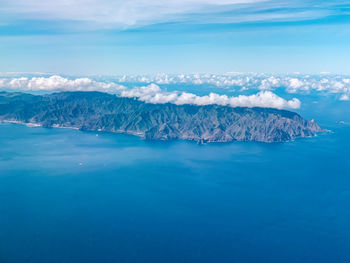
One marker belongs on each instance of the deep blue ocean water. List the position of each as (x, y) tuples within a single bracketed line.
[(72, 196)]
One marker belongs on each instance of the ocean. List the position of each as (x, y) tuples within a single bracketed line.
[(73, 196)]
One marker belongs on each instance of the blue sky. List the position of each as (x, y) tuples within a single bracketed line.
[(183, 36)]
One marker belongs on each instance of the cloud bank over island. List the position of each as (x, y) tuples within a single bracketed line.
[(266, 99), (152, 89), (151, 93)]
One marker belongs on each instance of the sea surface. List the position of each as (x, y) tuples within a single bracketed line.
[(68, 196)]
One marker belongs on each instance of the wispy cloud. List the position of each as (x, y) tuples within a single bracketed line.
[(113, 12), (121, 13)]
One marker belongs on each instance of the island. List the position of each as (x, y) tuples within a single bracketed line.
[(97, 111)]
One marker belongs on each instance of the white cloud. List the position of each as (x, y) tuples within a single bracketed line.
[(269, 83), (295, 84), (153, 94), (345, 97), (58, 83)]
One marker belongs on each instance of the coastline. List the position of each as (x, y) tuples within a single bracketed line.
[(140, 135), (33, 124)]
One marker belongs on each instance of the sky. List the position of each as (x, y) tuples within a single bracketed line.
[(113, 37)]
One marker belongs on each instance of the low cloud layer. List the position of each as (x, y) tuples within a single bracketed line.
[(292, 83), (150, 93), (153, 94), (58, 83)]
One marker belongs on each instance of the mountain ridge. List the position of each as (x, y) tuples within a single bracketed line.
[(97, 111)]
